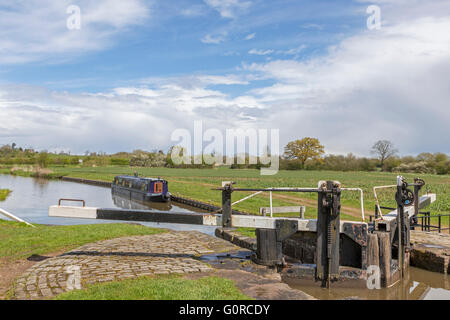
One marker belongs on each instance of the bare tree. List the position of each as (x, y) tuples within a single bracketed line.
[(384, 149)]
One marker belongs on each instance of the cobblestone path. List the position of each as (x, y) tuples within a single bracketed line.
[(116, 259)]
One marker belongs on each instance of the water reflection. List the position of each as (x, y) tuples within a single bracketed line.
[(135, 205), (31, 198), (418, 285)]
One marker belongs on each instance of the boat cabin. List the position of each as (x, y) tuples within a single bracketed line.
[(138, 188)]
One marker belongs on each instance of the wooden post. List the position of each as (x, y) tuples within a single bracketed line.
[(226, 207), (334, 232), (385, 258), (268, 250), (373, 251), (302, 212)]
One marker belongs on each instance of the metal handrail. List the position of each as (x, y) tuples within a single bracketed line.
[(425, 218), (361, 192), (290, 189), (377, 203), (73, 200)]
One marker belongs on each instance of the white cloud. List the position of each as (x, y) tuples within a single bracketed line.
[(250, 36), (213, 39), (312, 26), (122, 119), (293, 51), (261, 52), (289, 52), (193, 11), (386, 84), (37, 30), (229, 8)]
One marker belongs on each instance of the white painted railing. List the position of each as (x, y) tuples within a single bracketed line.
[(13, 217)]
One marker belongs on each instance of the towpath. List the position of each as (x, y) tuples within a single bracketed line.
[(130, 257)]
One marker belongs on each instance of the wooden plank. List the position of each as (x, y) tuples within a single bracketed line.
[(373, 252), (299, 209), (264, 210), (149, 216)]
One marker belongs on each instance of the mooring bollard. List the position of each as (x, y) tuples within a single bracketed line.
[(302, 212)]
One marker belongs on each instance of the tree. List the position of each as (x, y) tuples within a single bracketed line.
[(384, 150), (43, 159), (303, 150)]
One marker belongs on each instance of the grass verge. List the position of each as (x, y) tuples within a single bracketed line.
[(160, 288), (18, 240), (247, 232), (4, 193), (197, 183)]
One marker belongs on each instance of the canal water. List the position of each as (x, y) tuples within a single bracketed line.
[(31, 198), (418, 285)]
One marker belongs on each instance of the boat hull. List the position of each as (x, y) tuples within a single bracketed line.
[(133, 194)]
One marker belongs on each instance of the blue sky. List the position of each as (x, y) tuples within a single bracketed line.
[(173, 41), (308, 68)]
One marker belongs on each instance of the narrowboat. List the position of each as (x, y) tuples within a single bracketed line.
[(142, 189), (127, 203)]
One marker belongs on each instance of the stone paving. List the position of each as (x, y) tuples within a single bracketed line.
[(117, 259)]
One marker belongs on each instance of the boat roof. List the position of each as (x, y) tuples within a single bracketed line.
[(140, 178)]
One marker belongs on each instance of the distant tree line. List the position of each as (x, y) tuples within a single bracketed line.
[(303, 154), (307, 154)]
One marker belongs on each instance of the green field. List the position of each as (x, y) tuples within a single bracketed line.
[(197, 184), (18, 241), (160, 288)]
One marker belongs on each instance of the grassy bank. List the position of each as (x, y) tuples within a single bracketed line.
[(247, 232), (18, 241), (197, 184), (4, 193), (160, 288)]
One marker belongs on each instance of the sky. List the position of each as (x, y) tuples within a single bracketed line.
[(132, 72)]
